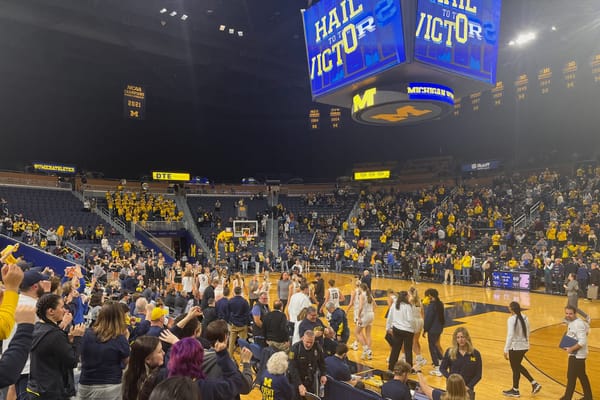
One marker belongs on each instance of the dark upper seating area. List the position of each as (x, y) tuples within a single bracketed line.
[(50, 208)]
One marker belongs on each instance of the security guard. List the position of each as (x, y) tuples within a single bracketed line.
[(306, 359)]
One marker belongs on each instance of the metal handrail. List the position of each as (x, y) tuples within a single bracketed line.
[(520, 220), (312, 241), (154, 239), (162, 225)]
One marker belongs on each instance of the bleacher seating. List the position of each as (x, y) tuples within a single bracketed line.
[(51, 208), (210, 222), (324, 208)]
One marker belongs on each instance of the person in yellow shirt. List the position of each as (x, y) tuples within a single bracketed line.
[(496, 241), (344, 228), (450, 233), (513, 263), (561, 236), (457, 269), (127, 248), (383, 239), (451, 218), (354, 254), (551, 235), (12, 276), (466, 263)]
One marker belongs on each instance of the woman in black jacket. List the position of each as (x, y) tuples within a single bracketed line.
[(433, 327), (54, 353)]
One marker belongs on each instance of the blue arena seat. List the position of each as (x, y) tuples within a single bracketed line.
[(335, 390)]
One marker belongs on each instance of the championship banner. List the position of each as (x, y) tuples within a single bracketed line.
[(134, 102), (314, 116)]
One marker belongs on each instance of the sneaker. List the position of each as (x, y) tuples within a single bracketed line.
[(536, 388), (435, 371), (421, 362), (369, 354), (355, 346), (511, 393)]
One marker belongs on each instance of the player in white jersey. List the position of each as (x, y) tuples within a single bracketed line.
[(355, 302), (333, 295)]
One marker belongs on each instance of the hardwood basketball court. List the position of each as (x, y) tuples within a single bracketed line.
[(484, 313)]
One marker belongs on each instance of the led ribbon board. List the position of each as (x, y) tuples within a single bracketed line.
[(367, 175), (54, 168), (170, 176), (430, 91), (350, 40), (460, 36), (417, 103)]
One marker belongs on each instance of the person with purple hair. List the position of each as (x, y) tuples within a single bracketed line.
[(186, 359)]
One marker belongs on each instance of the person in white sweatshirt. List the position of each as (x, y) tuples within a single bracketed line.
[(401, 325), (517, 344)]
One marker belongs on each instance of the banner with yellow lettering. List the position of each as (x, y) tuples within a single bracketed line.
[(134, 102)]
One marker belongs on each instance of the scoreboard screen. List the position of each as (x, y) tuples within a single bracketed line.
[(459, 36), (350, 40), (511, 280)]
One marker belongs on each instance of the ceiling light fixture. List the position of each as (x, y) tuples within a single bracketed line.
[(184, 17), (163, 10), (523, 39), (231, 31), (173, 13), (222, 28), (240, 33)]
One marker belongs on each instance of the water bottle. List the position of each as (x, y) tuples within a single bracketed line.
[(322, 391)]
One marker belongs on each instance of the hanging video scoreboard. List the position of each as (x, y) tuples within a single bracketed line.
[(460, 36), (350, 40)]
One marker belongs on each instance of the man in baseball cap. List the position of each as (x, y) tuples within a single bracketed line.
[(33, 278)]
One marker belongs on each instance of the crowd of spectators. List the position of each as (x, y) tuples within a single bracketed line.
[(129, 309), (133, 207)]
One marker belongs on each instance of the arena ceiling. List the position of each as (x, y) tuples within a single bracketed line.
[(65, 63)]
